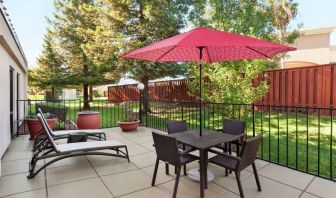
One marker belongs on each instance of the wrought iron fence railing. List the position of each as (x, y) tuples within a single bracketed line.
[(297, 137)]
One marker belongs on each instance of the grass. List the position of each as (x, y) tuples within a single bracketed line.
[(294, 139), (36, 97)]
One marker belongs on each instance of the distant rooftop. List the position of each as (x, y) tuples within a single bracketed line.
[(319, 30)]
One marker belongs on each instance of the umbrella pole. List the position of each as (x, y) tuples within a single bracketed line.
[(200, 91)]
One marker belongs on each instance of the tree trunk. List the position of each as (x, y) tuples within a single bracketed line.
[(53, 92), (145, 96), (86, 97), (85, 85), (91, 92)]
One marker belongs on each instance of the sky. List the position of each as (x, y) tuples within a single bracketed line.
[(30, 23)]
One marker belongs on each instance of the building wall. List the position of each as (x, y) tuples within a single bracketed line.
[(313, 41), (313, 48), (6, 64), (318, 56), (10, 58)]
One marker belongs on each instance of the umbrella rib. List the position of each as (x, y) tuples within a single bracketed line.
[(165, 53), (208, 54), (250, 48)]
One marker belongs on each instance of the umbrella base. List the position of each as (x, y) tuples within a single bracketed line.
[(194, 174)]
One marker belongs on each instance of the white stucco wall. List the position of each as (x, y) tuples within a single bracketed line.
[(313, 48), (10, 58), (316, 55), (6, 63)]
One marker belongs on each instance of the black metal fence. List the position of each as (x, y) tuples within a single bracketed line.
[(297, 137)]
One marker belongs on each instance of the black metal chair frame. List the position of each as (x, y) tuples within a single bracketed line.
[(48, 149), (168, 152), (246, 158)]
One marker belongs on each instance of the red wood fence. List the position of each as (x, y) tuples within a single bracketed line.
[(304, 86), (172, 90)]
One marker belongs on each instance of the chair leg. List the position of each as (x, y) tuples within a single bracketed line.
[(185, 169), (241, 192), (167, 168), (230, 153), (237, 150), (256, 176), (155, 171), (178, 169)]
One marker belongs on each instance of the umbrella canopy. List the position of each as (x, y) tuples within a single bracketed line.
[(217, 46), (207, 45)]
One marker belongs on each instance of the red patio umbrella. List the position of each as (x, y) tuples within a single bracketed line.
[(207, 45)]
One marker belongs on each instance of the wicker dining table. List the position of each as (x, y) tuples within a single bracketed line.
[(202, 143)]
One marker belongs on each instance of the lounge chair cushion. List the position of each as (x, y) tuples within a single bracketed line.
[(88, 146)]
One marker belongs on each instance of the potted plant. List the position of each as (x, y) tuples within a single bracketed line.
[(131, 123), (34, 125)]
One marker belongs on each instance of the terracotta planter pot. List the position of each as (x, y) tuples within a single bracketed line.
[(88, 120), (128, 126), (35, 127)]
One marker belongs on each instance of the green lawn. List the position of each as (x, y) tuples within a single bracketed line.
[(285, 136)]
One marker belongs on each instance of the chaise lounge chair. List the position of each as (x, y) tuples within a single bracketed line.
[(49, 149), (95, 134)]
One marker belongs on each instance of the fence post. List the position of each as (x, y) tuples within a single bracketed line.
[(80, 104), (146, 114), (182, 111), (253, 120), (17, 118)]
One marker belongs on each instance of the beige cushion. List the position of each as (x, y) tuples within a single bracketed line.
[(88, 146)]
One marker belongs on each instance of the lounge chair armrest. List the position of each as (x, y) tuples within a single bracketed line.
[(224, 154)]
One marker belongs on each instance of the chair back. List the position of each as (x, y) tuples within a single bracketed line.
[(166, 148), (249, 151), (45, 122), (177, 126), (46, 132), (234, 127)]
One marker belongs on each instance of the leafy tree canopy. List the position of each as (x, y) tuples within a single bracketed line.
[(233, 81), (140, 23), (85, 42), (49, 72)]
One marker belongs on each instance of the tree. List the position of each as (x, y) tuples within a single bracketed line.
[(49, 73), (141, 23), (283, 12), (233, 81), (86, 43)]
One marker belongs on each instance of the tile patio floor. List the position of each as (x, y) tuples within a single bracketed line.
[(103, 177)]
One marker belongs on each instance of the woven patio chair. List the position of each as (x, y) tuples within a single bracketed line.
[(237, 164), (167, 151), (178, 127)]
